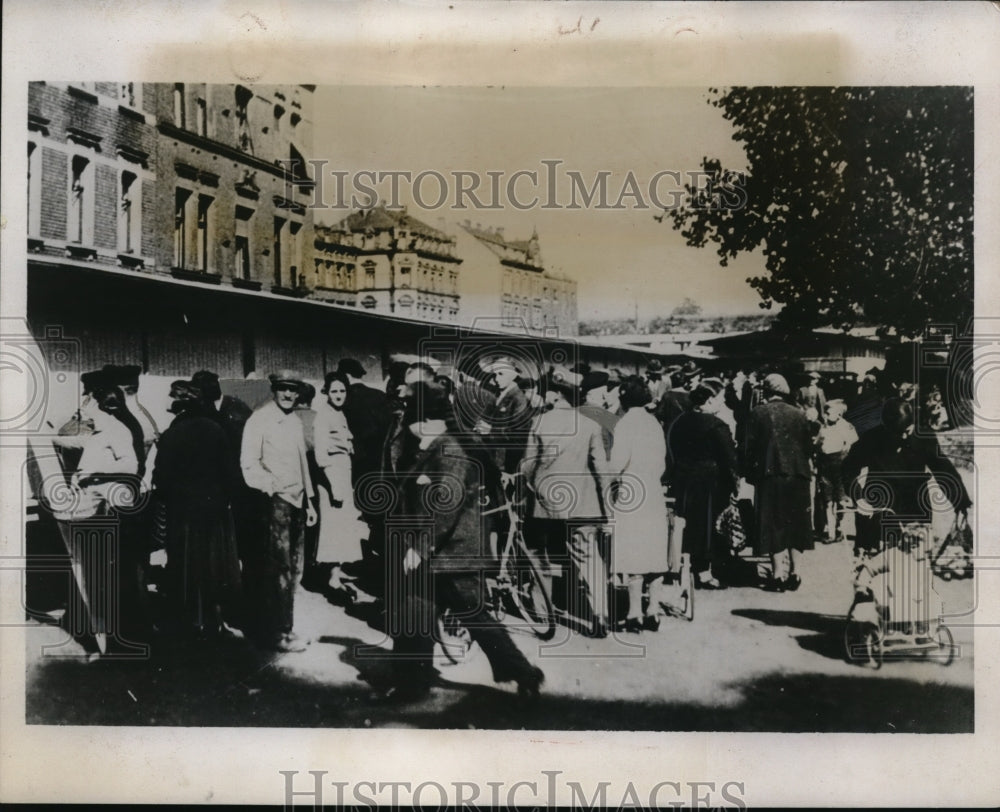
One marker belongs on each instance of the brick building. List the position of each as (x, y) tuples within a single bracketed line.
[(168, 226), (507, 279), (388, 262)]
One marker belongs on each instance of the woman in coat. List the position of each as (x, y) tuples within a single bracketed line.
[(195, 476), (638, 455), (703, 477), (779, 441)]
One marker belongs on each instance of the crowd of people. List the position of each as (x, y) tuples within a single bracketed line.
[(384, 490)]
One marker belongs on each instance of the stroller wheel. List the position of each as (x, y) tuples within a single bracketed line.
[(863, 645), (946, 645), (872, 643)]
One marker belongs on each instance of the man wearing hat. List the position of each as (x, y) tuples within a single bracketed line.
[(779, 439), (273, 459), (566, 466), (505, 426), (655, 380), (811, 396), (612, 397), (127, 379), (443, 545)]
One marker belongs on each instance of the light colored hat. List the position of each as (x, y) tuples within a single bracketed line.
[(775, 384)]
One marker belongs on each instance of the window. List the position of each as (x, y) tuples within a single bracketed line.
[(404, 276), (279, 229), (181, 198), (295, 251), (201, 117), (129, 213), (369, 267), (279, 111), (205, 229), (243, 137), (241, 243), (180, 118), (81, 201), (34, 189), (130, 94)]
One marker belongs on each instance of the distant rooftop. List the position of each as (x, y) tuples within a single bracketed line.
[(383, 219)]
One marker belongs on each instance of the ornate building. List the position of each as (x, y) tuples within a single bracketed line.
[(388, 262), (507, 280)]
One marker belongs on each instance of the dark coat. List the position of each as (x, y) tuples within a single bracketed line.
[(368, 417), (703, 461), (510, 422), (193, 464), (441, 493), (778, 442), (776, 460), (899, 473)]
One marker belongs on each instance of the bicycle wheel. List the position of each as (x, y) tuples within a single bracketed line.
[(453, 637), (528, 592)]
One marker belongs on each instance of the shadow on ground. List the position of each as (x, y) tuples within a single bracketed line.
[(828, 637), (229, 684)]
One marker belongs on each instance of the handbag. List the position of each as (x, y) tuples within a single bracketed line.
[(729, 526)]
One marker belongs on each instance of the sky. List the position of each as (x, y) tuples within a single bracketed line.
[(623, 260)]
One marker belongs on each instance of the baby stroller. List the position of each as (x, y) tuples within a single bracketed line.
[(896, 613)]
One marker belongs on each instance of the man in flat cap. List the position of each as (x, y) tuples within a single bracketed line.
[(273, 458), (505, 426)]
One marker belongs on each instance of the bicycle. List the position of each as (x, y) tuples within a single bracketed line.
[(517, 580)]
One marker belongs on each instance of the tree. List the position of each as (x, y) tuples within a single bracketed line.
[(861, 200), (686, 309)]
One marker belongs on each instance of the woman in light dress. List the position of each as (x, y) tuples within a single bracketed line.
[(340, 527)]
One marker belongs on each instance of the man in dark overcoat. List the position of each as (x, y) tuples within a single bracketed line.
[(440, 529)]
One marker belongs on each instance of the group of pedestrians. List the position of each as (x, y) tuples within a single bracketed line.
[(383, 489)]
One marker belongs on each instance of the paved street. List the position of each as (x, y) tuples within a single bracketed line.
[(750, 660)]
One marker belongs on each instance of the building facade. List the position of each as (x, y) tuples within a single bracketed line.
[(506, 280), (387, 261), (204, 182)]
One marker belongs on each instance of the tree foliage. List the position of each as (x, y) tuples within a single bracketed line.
[(861, 200), (688, 307)]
